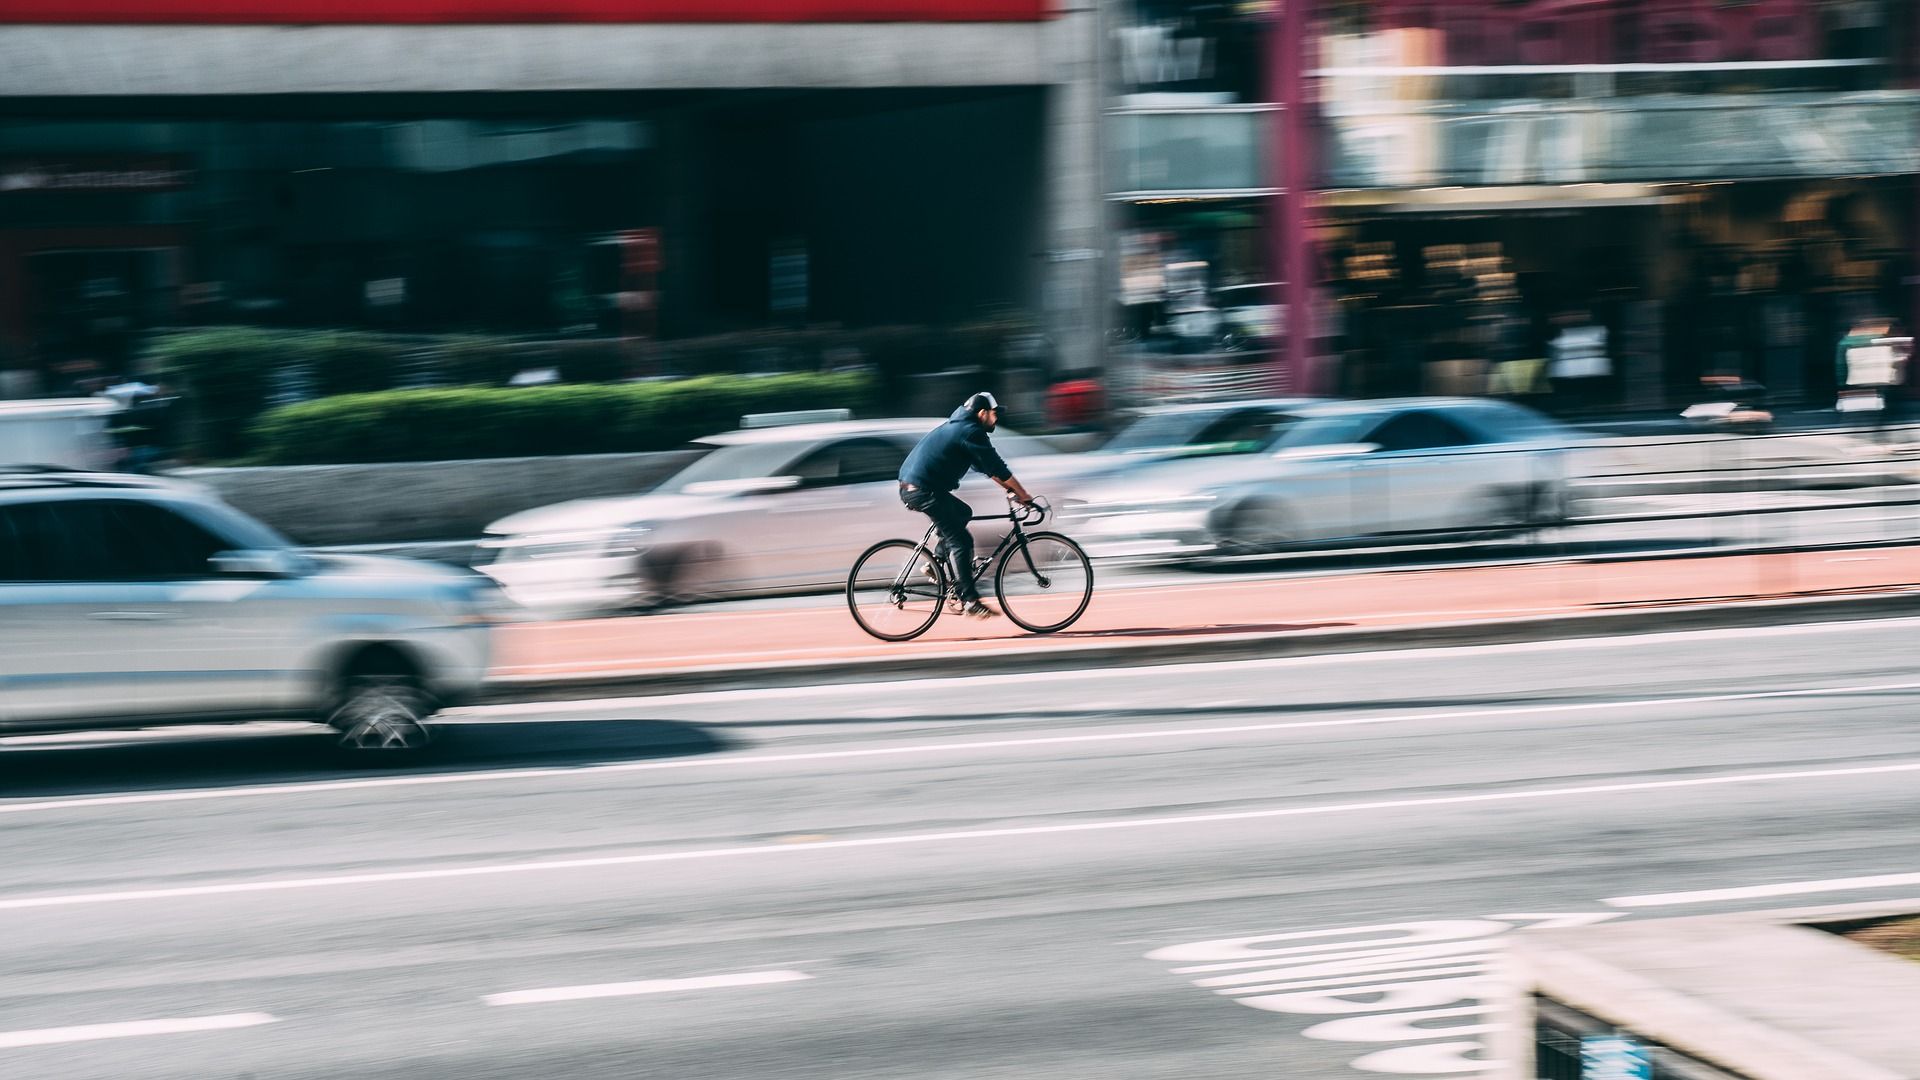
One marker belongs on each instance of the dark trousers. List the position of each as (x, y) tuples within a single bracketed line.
[(950, 517)]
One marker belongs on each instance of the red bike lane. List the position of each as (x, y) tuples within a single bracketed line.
[(1206, 611)]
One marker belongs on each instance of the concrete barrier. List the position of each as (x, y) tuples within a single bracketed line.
[(408, 502), (426, 500), (1770, 996)]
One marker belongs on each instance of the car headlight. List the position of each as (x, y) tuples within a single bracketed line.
[(578, 544)]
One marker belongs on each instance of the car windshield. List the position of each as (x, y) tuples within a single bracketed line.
[(745, 461), (1204, 433), (1327, 430), (1513, 423), (1158, 432), (1012, 444)]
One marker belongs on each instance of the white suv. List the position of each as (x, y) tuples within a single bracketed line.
[(129, 602)]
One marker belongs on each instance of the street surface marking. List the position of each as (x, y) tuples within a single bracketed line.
[(181, 1026), (1373, 985), (958, 682), (650, 986), (507, 775), (1790, 888), (911, 839)]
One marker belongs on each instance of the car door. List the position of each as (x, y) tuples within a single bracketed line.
[(222, 644), (78, 630), (847, 499), (1423, 474)]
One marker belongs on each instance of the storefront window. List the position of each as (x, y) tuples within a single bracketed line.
[(1203, 52), (407, 225)]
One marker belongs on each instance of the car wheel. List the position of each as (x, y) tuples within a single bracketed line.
[(1257, 528), (382, 714), (673, 577)]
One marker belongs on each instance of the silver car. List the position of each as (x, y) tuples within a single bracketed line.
[(1344, 471), (130, 602), (766, 510)]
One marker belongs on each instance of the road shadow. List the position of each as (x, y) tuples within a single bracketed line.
[(148, 761)]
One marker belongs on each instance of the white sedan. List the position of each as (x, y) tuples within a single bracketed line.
[(1369, 471), (767, 510)]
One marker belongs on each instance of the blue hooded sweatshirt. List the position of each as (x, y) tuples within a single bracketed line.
[(948, 451)]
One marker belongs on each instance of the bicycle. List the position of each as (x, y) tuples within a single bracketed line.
[(1044, 581)]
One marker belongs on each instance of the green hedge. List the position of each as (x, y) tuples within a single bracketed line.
[(445, 425)]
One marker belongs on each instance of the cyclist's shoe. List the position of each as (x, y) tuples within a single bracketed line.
[(979, 610)]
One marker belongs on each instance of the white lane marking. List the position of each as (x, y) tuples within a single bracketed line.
[(507, 775), (160, 734), (1789, 888), (960, 682), (180, 1026), (650, 986), (747, 851)]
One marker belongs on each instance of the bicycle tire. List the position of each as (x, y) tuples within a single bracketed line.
[(1068, 558), (876, 589)]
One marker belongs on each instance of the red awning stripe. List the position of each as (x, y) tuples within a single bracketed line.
[(343, 12)]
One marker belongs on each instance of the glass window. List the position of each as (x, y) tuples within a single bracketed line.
[(1420, 431), (1159, 431), (102, 540), (858, 461), (1245, 430)]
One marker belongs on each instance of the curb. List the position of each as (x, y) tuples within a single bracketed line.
[(1668, 617)]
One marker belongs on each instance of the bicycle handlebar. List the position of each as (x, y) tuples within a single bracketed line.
[(1031, 514)]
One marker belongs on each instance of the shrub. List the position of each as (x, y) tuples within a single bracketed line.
[(452, 424)]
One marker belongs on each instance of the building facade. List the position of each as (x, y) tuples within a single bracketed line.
[(1443, 185), (640, 168)]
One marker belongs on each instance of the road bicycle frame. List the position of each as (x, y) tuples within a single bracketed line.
[(1015, 538)]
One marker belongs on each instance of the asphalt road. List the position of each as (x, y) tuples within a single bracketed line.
[(997, 877)]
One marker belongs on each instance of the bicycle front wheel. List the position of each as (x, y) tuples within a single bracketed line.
[(896, 590), (1048, 586)]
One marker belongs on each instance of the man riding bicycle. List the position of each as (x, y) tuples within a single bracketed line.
[(936, 467)]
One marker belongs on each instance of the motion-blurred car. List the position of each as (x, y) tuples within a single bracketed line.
[(1249, 315), (58, 431), (1344, 471), (131, 602), (766, 510), (1210, 429)]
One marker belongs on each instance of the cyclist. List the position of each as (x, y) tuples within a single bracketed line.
[(936, 467)]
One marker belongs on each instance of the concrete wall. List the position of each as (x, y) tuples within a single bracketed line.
[(327, 505), (429, 500)]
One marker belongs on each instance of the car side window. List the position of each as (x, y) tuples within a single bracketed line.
[(163, 544), (1420, 431), (871, 461), (856, 461), (17, 561), (59, 541), (102, 540)]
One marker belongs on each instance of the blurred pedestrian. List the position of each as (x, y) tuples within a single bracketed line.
[(1868, 366), (1579, 365)]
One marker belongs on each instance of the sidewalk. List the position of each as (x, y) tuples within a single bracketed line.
[(1198, 616)]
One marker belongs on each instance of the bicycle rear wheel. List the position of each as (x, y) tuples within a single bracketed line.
[(1046, 588), (896, 590)]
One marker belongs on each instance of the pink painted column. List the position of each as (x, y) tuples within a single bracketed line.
[(1290, 223)]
